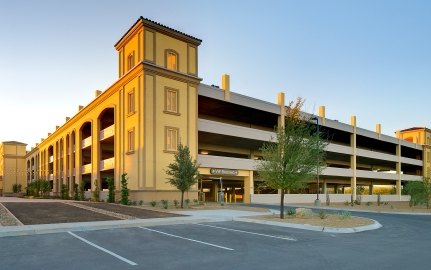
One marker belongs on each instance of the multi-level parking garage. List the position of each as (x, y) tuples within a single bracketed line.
[(232, 128)]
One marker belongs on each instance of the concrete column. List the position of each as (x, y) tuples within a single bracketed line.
[(65, 171), (325, 187), (322, 114), (225, 85), (379, 129), (78, 157), (353, 157), (398, 151), (70, 171), (336, 188), (95, 154), (54, 167), (248, 187), (370, 190)]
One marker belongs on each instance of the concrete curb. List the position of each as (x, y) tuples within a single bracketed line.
[(11, 215), (376, 225), (360, 210), (100, 225)]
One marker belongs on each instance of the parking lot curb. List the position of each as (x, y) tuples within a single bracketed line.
[(101, 225), (376, 225)]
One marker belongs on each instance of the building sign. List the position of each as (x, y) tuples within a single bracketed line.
[(223, 171)]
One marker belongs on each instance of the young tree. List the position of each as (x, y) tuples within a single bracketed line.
[(294, 156), (111, 189), (183, 172), (76, 192), (124, 195), (420, 192), (96, 191)]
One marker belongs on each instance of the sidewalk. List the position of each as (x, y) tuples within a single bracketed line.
[(198, 216)]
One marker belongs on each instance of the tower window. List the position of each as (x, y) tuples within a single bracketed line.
[(131, 140), (171, 142), (171, 60), (131, 60), (131, 102), (171, 100)]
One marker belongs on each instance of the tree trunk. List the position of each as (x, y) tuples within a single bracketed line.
[(282, 204), (182, 198)]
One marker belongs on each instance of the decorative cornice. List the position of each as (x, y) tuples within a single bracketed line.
[(151, 68), (141, 22)]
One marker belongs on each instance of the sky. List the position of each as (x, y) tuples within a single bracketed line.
[(366, 58)]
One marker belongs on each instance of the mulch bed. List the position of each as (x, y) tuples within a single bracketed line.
[(130, 210), (46, 213)]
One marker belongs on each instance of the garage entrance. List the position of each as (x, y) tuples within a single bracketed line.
[(233, 189)]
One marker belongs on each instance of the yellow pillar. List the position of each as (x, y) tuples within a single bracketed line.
[(95, 154), (248, 187), (353, 157), (322, 114), (379, 129), (398, 152), (78, 157), (225, 85)]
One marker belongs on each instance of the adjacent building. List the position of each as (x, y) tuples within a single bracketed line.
[(12, 166), (157, 101)]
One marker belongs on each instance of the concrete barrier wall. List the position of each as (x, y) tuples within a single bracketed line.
[(309, 198)]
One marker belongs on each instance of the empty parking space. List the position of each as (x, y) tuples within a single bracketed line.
[(217, 245)]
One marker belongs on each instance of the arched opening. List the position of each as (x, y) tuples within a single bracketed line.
[(28, 170), (86, 155), (107, 146), (68, 163), (72, 158), (32, 169), (50, 169)]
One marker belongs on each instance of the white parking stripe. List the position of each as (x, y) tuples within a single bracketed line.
[(260, 234), (103, 249), (188, 239)]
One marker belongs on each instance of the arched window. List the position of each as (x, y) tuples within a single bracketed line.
[(171, 60)]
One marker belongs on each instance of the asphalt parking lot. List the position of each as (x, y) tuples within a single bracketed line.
[(224, 245)]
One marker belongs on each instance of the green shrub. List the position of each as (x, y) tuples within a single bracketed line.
[(111, 189), (96, 191), (420, 192), (322, 214), (369, 203), (81, 192), (187, 202), (124, 190), (134, 203), (344, 215), (291, 211), (195, 201), (176, 203), (64, 192), (165, 204), (16, 188), (346, 203), (75, 192), (141, 202), (153, 203)]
